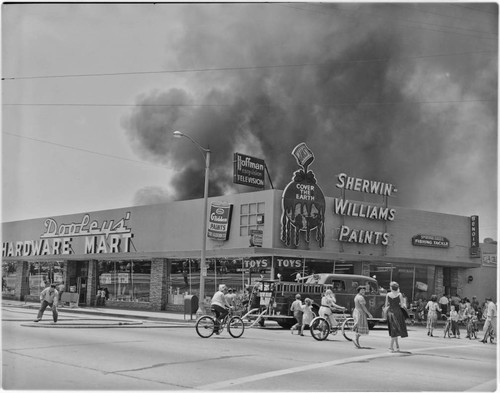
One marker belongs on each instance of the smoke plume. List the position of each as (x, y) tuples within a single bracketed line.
[(368, 87)]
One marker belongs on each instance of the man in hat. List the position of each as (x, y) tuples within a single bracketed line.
[(48, 297)]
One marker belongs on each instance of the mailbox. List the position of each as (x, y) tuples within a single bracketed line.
[(190, 305)]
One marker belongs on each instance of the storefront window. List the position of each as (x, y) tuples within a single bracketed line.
[(42, 274), (9, 276), (125, 280)]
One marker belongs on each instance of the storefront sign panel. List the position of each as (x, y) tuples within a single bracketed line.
[(220, 221), (303, 203), (248, 171), (430, 241), (60, 239), (475, 252)]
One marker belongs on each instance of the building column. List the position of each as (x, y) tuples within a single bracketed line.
[(158, 293), (435, 281), (91, 283), (23, 281)]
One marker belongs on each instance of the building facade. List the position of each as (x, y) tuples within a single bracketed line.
[(148, 257)]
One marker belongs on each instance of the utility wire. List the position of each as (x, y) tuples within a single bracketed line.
[(82, 150), (262, 105), (494, 52), (454, 31)]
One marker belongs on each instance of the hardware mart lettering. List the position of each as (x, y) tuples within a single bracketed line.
[(101, 244), (57, 239), (80, 229)]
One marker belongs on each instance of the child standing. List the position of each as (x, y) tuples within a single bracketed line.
[(454, 316), (296, 309), (307, 316)]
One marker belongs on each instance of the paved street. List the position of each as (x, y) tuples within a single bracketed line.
[(105, 352)]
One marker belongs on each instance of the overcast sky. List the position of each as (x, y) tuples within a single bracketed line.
[(402, 93)]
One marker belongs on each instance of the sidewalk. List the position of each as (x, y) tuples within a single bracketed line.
[(157, 316)]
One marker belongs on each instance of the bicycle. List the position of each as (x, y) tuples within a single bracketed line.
[(205, 325), (471, 328), (320, 327), (447, 328)]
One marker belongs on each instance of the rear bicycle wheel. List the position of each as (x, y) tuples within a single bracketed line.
[(319, 328), (205, 326), (348, 329), (236, 327)]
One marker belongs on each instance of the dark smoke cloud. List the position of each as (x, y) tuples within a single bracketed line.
[(371, 103)]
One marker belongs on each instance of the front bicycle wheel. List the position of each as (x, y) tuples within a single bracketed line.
[(348, 329), (236, 327), (205, 326), (319, 328)]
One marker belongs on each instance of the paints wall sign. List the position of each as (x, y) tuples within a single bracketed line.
[(303, 203), (344, 207), (219, 221)]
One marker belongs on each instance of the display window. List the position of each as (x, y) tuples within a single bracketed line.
[(124, 280), (43, 273), (9, 277)]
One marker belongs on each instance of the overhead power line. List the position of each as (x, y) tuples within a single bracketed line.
[(261, 105), (83, 150), (353, 61)]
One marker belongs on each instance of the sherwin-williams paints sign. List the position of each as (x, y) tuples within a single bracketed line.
[(220, 221), (303, 203), (344, 207), (248, 171)]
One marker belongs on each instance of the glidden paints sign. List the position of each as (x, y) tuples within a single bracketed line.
[(100, 238), (220, 220)]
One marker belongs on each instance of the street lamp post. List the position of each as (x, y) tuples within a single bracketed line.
[(203, 269)]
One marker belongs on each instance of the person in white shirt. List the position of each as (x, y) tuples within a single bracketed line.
[(48, 297), (491, 321), (219, 305), (230, 297)]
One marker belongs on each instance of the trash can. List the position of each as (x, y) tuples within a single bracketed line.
[(190, 305)]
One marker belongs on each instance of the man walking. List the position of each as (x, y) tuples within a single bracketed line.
[(490, 325), (48, 297)]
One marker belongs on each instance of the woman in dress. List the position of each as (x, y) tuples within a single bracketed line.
[(395, 317), (308, 314), (328, 305), (433, 307), (360, 316)]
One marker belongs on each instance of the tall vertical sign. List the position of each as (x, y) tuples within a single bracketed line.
[(474, 237), (303, 203)]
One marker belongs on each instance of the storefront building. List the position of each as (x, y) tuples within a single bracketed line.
[(148, 257)]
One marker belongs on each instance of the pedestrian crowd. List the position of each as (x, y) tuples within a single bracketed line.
[(454, 310), (457, 312)]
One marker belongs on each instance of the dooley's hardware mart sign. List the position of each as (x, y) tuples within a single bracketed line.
[(342, 206), (474, 237), (99, 238), (220, 220), (430, 241), (248, 171), (303, 203)]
